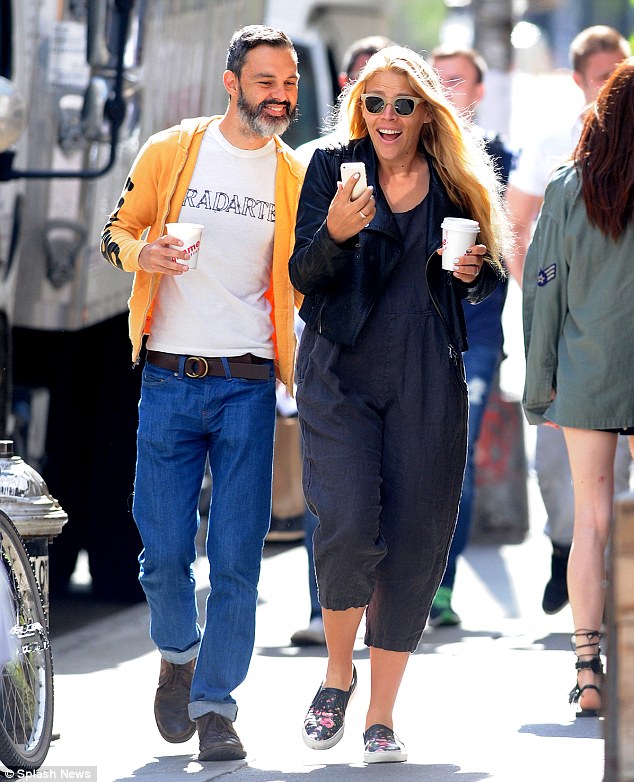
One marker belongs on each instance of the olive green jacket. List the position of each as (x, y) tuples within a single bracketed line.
[(578, 302)]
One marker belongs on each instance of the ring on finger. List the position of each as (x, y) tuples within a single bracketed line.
[(363, 217)]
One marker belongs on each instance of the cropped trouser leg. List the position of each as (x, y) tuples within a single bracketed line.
[(384, 481)]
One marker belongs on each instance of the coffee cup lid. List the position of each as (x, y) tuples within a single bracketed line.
[(460, 224)]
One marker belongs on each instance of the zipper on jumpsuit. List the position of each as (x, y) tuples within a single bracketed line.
[(321, 309), (453, 353)]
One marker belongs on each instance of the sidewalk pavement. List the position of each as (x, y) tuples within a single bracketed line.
[(486, 701)]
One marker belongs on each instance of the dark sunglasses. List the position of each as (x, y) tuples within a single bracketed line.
[(403, 105)]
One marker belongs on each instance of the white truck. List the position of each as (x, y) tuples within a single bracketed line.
[(97, 78)]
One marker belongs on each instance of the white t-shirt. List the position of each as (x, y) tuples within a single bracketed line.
[(219, 308), (540, 158)]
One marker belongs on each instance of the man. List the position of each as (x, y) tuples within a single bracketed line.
[(594, 53), (462, 72), (355, 57), (218, 334)]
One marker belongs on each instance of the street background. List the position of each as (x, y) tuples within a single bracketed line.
[(485, 701)]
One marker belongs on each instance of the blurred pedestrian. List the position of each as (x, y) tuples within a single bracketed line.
[(594, 53), (462, 73), (209, 376), (356, 56), (380, 382), (577, 320)]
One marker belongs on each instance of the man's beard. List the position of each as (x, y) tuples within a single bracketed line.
[(262, 124)]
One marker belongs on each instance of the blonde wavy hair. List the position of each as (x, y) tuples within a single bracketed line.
[(458, 154)]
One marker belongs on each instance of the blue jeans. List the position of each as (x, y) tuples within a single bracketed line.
[(481, 362), (181, 421)]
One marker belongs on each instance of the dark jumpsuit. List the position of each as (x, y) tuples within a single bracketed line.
[(385, 438)]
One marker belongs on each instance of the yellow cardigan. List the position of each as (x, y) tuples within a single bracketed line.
[(153, 195)]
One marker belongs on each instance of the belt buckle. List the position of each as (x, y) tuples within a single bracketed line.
[(197, 359)]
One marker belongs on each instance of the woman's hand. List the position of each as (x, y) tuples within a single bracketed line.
[(467, 266), (345, 217), (160, 257)]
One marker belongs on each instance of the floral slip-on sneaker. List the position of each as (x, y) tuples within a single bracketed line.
[(324, 722), (382, 745)]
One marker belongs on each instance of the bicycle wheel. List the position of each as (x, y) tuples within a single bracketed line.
[(26, 664)]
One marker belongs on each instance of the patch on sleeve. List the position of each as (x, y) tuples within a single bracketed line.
[(544, 276)]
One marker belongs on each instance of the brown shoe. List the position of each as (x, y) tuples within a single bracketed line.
[(218, 740), (172, 700)]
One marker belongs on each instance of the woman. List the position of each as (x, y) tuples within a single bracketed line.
[(381, 392), (578, 320)]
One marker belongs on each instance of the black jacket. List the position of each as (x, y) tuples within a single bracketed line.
[(341, 282)]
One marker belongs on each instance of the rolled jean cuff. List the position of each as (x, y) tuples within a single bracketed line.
[(180, 658), (200, 708)]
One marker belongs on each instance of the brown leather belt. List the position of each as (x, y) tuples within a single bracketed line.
[(246, 366)]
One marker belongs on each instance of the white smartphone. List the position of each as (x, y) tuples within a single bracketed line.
[(347, 170)]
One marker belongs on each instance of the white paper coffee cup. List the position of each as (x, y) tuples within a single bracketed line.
[(458, 234), (189, 234)]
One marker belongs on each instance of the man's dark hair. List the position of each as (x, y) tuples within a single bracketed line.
[(369, 45), (248, 38), (444, 51)]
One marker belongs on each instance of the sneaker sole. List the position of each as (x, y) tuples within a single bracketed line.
[(326, 743), (393, 756)]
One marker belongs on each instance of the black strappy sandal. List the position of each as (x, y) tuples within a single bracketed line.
[(594, 664)]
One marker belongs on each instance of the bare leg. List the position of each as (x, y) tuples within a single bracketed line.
[(387, 673), (341, 630), (592, 465)]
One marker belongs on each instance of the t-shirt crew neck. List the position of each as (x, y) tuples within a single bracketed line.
[(216, 134)]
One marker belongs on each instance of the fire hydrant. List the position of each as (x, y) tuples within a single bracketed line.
[(38, 516)]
